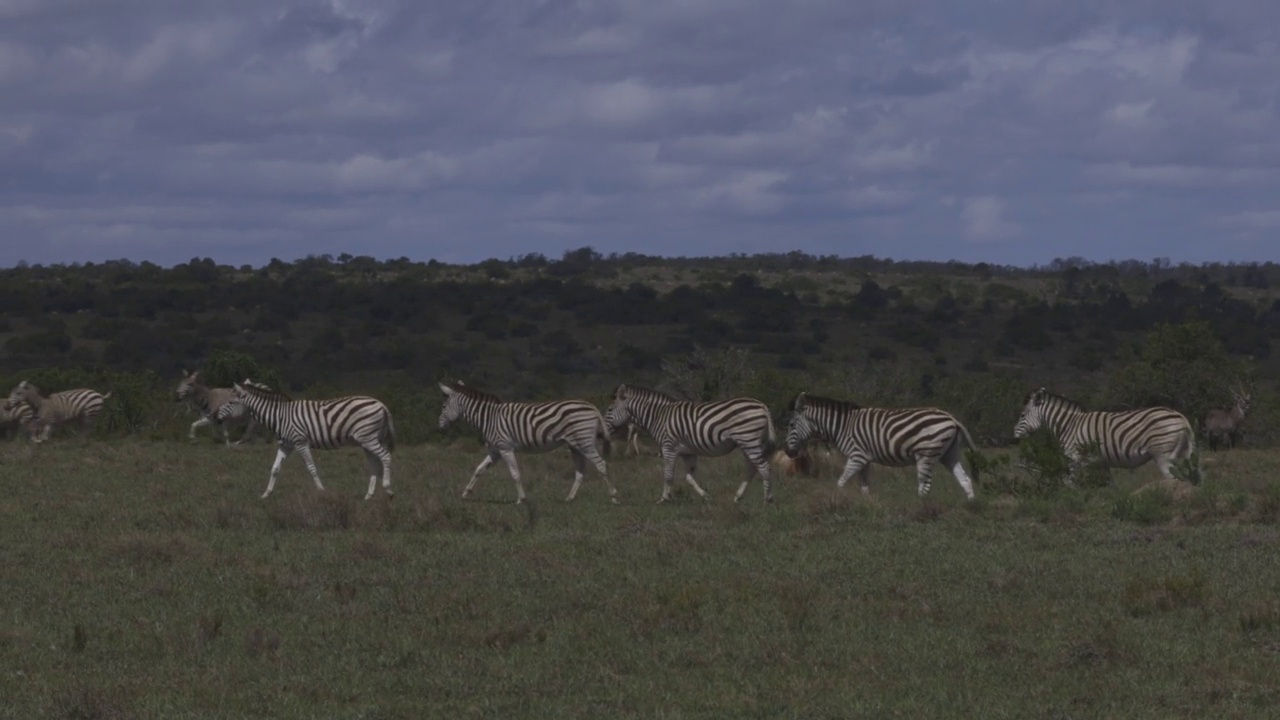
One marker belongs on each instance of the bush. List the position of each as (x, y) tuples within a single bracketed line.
[(1182, 366)]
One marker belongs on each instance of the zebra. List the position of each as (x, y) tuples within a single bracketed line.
[(208, 401), (689, 430), (895, 437), (1222, 424), (56, 409), (21, 417), (536, 427), (1126, 438), (326, 424)]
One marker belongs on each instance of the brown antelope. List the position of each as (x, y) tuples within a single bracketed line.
[(1226, 425)]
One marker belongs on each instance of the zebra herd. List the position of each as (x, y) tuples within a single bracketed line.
[(683, 430)]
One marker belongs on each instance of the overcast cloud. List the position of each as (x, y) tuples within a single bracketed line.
[(1006, 131)]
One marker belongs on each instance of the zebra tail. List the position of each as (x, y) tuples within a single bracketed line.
[(770, 441), (606, 445), (391, 433), (975, 466)]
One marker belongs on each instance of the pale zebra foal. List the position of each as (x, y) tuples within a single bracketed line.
[(59, 408), (689, 430), (208, 401), (325, 424), (20, 418), (895, 437), (1127, 438), (533, 427)]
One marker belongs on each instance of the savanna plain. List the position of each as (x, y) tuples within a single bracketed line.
[(148, 580)]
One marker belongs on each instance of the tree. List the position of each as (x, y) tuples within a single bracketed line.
[(1183, 366), (710, 375)]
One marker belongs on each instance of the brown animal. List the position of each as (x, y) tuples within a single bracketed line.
[(1220, 425), (820, 462)]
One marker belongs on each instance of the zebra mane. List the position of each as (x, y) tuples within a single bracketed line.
[(644, 392), (474, 394), (1054, 397), (260, 390), (824, 403)]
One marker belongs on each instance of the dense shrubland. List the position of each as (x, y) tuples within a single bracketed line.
[(970, 338)]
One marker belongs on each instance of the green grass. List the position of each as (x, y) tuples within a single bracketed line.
[(147, 580)]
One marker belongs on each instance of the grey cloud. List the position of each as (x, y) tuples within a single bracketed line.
[(245, 130)]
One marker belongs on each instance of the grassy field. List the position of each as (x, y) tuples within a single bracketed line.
[(147, 580)]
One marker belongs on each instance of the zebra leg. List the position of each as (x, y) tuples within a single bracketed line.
[(855, 466), (226, 436), (510, 457), (282, 452), (924, 475), (191, 434), (379, 460), (594, 456), (691, 466), (484, 465), (633, 439), (579, 466), (756, 463), (248, 430), (305, 452), (668, 473)]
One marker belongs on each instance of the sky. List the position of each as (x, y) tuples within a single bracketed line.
[(1005, 131)]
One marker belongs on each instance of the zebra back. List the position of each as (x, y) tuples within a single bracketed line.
[(1122, 437), (524, 424), (699, 425), (890, 436), (60, 406), (353, 419)]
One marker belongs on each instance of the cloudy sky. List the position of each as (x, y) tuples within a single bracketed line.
[(1012, 131)]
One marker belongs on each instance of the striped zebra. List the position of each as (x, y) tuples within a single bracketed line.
[(208, 401), (57, 409), (535, 427), (1128, 438), (326, 424), (689, 430), (895, 437), (21, 417)]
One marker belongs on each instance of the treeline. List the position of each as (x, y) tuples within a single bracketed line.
[(973, 335)]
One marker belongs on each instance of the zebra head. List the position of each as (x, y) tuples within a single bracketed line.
[(21, 395), (187, 386), (1033, 414), (800, 427), (619, 412), (241, 394), (452, 409)]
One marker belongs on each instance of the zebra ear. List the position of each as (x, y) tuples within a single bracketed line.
[(1037, 397), (446, 389), (798, 405)]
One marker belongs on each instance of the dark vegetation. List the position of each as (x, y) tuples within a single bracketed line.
[(970, 338)]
